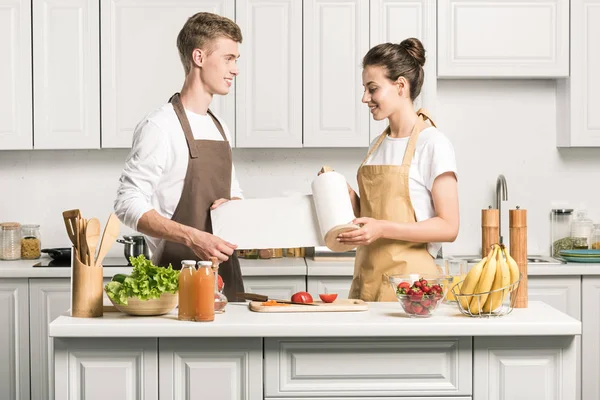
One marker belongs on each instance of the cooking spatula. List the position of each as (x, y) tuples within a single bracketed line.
[(72, 224), (92, 237), (110, 235)]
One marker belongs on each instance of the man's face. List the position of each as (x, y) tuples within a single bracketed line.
[(219, 65)]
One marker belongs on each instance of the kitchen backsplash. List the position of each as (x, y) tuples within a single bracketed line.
[(497, 127)]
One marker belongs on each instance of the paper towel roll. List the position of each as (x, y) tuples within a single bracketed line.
[(333, 208)]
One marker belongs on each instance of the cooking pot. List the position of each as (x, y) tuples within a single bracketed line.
[(135, 246)]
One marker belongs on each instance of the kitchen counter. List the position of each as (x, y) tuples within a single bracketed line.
[(529, 354), (382, 319)]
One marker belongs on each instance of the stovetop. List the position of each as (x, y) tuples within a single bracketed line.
[(109, 262)]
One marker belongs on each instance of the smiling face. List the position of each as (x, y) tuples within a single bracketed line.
[(218, 65), (382, 95)]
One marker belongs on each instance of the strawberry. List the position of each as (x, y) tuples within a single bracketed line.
[(427, 289), (408, 308), (403, 285), (417, 308), (437, 288), (424, 311), (410, 291), (416, 296), (423, 281), (426, 302), (417, 284)]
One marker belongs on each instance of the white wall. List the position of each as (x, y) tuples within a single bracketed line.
[(497, 127)]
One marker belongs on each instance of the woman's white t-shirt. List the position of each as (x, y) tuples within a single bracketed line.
[(434, 155)]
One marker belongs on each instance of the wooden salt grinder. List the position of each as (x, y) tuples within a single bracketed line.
[(518, 250), (490, 229)]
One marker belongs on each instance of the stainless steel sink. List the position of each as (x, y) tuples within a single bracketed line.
[(532, 259)]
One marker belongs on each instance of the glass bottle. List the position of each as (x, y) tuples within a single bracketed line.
[(581, 230), (11, 240), (595, 242), (220, 298), (205, 287), (31, 243), (561, 230), (187, 292)]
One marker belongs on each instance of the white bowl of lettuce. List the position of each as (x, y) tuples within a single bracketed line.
[(149, 290)]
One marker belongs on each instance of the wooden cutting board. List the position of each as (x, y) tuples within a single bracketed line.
[(340, 305)]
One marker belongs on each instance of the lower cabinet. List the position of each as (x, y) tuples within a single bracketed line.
[(100, 369), (524, 368), (367, 367), (329, 284), (276, 287), (560, 292), (216, 369), (590, 338), (14, 339)]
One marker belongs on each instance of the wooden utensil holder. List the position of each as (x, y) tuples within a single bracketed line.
[(86, 288), (490, 230), (518, 251)]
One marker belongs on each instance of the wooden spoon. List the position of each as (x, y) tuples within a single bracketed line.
[(92, 237), (110, 235)]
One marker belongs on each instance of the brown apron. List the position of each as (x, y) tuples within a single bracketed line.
[(208, 178), (384, 194)]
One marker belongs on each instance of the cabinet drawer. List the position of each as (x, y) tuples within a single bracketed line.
[(368, 367)]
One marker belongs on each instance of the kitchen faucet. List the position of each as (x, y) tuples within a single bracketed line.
[(501, 194)]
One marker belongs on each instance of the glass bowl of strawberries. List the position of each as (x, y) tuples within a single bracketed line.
[(419, 295)]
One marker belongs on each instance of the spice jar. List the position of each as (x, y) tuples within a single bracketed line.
[(561, 230), (596, 238), (31, 242), (11, 241), (581, 230)]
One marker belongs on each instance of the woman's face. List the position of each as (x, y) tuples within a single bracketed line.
[(381, 94)]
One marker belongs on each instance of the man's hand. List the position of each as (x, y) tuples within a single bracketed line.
[(206, 245), (217, 203), (371, 230)]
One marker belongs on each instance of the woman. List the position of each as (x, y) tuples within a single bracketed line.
[(408, 200)]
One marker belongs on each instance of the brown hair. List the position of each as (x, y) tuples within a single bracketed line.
[(405, 59), (199, 30)]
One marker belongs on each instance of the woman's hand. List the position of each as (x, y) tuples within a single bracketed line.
[(371, 230)]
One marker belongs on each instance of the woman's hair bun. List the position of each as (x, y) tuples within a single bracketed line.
[(415, 49)]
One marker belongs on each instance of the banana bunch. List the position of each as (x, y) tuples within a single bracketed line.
[(497, 270)]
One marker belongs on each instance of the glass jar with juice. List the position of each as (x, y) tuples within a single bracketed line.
[(187, 291), (205, 288), (455, 271)]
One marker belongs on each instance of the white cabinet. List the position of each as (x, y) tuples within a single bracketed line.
[(518, 38), (560, 292), (219, 369), (327, 367), (100, 369), (269, 86), (418, 20), (578, 98), (49, 298), (140, 63), (336, 37), (276, 287), (524, 368), (329, 284), (66, 74), (15, 75), (14, 339), (590, 338)]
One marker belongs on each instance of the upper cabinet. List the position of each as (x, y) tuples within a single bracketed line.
[(498, 39), (140, 63), (578, 98), (336, 37), (15, 75), (395, 20), (66, 74), (269, 86)]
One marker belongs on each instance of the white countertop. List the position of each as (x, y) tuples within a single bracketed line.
[(118, 265), (382, 320)]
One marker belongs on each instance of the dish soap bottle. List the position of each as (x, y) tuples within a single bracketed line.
[(581, 230), (220, 298)]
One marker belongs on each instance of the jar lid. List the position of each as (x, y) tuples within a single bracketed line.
[(30, 226), (205, 263), (188, 262), (9, 226), (562, 211)]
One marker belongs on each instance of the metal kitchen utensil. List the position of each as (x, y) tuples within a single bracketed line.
[(92, 237), (110, 235), (135, 246), (261, 297)]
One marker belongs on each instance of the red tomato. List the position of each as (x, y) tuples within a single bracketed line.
[(220, 284), (328, 297), (302, 297)]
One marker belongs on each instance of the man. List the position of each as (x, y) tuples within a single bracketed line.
[(180, 165)]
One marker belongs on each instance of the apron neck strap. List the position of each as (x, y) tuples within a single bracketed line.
[(185, 124), (218, 124), (376, 145)]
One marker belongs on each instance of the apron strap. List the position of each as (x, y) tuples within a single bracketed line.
[(425, 114), (412, 142), (185, 124), (218, 124), (376, 145)]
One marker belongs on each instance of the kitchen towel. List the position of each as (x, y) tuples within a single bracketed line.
[(287, 222)]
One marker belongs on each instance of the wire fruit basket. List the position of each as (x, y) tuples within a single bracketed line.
[(495, 303)]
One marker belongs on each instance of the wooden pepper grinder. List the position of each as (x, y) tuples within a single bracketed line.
[(490, 229), (518, 250)]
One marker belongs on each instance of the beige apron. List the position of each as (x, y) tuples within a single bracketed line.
[(384, 194), (208, 178)]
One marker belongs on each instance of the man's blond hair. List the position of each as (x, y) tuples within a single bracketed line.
[(199, 30)]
